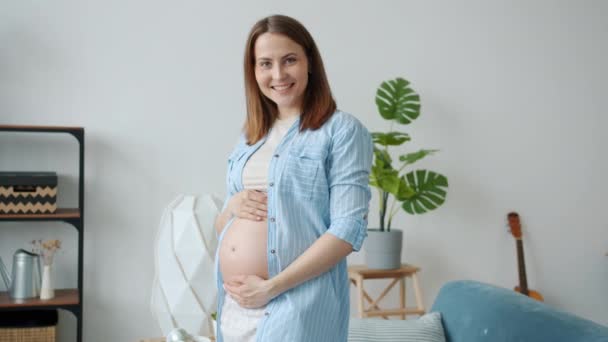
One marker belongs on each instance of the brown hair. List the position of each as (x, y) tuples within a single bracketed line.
[(318, 103)]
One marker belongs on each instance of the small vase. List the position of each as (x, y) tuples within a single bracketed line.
[(47, 290)]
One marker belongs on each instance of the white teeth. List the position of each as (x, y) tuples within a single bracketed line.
[(281, 87)]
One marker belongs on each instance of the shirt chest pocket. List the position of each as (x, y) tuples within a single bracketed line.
[(303, 176)]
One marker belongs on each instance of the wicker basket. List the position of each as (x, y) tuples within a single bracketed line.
[(34, 334)]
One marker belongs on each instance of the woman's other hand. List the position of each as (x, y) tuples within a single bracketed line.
[(249, 204), (250, 291)]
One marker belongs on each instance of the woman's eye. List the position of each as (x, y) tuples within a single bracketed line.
[(290, 60), (264, 64)]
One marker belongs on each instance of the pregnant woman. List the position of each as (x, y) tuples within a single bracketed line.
[(297, 197)]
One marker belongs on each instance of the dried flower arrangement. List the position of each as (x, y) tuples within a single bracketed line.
[(46, 249)]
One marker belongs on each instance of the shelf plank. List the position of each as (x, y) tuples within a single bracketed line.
[(60, 214), (28, 128), (369, 273), (63, 297)]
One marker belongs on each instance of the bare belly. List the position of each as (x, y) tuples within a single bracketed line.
[(243, 249)]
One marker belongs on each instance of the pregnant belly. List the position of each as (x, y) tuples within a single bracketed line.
[(243, 249)]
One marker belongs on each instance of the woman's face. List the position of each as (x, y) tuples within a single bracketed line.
[(281, 70)]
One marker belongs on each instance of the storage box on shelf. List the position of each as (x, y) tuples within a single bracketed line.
[(28, 326), (28, 192), (66, 299)]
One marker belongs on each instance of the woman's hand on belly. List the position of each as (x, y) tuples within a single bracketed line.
[(249, 204), (250, 291)]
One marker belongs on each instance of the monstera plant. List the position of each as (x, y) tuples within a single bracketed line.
[(414, 191)]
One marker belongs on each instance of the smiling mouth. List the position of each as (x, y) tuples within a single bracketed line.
[(282, 87)]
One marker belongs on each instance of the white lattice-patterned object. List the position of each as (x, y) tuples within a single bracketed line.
[(184, 294)]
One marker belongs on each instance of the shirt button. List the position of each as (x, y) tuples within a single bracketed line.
[(272, 219), (271, 184), (276, 156), (267, 313), (272, 251)]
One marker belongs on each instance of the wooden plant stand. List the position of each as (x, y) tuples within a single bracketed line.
[(358, 273)]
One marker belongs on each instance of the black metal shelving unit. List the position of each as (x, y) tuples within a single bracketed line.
[(66, 299)]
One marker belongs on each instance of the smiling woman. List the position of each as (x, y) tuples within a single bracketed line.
[(297, 201), (281, 72)]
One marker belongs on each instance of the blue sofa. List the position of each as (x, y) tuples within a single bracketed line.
[(473, 311)]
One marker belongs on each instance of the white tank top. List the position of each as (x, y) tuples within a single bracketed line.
[(255, 171)]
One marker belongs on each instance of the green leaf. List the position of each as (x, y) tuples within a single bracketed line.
[(382, 157), (385, 178), (384, 103), (430, 191), (390, 138), (396, 100), (374, 175), (390, 182), (405, 191), (411, 158)]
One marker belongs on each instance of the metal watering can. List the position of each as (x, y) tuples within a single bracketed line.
[(26, 275)]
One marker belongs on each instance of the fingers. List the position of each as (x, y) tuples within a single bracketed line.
[(254, 205), (233, 294), (257, 196), (258, 206), (236, 280), (250, 204), (254, 195), (243, 302), (243, 297), (258, 203), (252, 214), (257, 210), (229, 288), (236, 296)]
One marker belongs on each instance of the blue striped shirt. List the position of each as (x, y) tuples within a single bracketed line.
[(318, 184)]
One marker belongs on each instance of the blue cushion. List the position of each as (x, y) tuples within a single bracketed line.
[(473, 311), (424, 329)]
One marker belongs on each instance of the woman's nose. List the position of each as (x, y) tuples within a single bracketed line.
[(278, 73)]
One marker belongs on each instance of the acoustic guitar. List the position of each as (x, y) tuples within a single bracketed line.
[(515, 226)]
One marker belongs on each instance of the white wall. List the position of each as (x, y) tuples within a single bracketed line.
[(511, 95)]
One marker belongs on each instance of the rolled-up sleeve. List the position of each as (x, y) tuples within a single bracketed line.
[(350, 161)]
